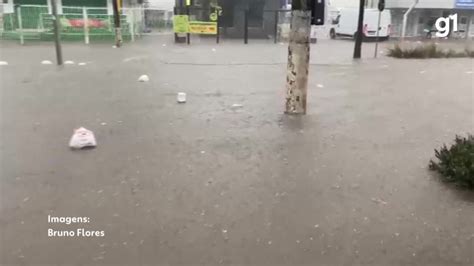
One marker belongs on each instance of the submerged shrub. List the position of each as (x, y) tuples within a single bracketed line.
[(456, 163), (427, 51)]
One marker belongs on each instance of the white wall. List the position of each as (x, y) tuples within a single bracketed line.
[(398, 3), (354, 3), (448, 4), (345, 3), (7, 7), (162, 4)]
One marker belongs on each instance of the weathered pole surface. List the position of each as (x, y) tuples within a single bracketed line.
[(118, 30), (57, 35), (360, 31), (298, 57)]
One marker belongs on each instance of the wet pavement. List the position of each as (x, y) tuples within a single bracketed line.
[(209, 183)]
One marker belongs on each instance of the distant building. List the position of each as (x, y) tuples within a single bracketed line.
[(36, 19), (426, 12), (9, 4), (261, 15)]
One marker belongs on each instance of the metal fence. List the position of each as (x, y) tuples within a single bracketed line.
[(90, 24), (35, 22)]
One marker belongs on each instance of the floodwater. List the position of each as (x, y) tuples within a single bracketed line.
[(227, 178)]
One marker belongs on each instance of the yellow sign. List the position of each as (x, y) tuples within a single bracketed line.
[(181, 23), (203, 27)]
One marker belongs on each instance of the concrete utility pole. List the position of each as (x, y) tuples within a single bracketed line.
[(57, 37), (298, 57), (118, 30), (360, 31)]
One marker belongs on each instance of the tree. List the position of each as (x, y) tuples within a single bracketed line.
[(298, 57), (360, 31)]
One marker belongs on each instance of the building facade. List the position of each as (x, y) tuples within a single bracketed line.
[(426, 12), (260, 16), (32, 19)]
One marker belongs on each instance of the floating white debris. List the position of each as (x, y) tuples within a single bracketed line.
[(316, 226), (237, 105), (164, 45), (397, 234), (469, 72), (46, 62), (422, 72), (69, 62), (269, 242), (320, 86), (103, 124), (181, 97), (82, 138), (26, 199), (202, 152), (3, 63), (114, 46), (82, 64), (213, 49), (143, 78), (379, 201)]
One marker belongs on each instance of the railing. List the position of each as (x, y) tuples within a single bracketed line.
[(35, 22)]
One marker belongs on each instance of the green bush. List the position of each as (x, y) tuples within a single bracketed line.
[(470, 52), (456, 164), (427, 51)]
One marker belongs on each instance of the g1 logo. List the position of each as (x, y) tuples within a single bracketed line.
[(443, 25)]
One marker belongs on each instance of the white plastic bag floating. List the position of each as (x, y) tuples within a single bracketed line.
[(143, 78), (82, 138)]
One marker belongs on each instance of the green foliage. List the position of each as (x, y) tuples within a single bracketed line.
[(427, 51), (470, 52), (456, 164)]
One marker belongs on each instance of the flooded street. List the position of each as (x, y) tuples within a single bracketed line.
[(227, 178)]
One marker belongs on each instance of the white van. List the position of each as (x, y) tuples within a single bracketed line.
[(347, 23)]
